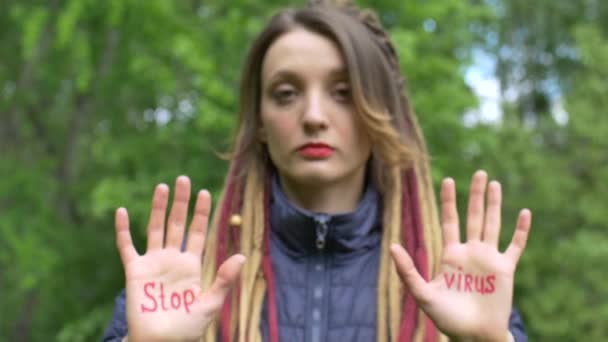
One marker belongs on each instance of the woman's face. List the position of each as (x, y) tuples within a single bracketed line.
[(308, 119)]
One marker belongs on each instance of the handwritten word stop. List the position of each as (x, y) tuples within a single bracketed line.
[(176, 300)]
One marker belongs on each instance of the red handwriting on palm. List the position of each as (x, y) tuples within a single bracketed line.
[(164, 297), (471, 297)]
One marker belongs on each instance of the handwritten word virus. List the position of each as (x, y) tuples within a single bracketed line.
[(467, 282)]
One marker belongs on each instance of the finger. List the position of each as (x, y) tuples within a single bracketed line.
[(198, 227), (225, 279), (491, 230), (412, 280), (449, 213), (156, 225), (520, 237), (176, 224), (475, 210), (123, 237)]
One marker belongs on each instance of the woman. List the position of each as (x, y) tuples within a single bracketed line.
[(327, 182)]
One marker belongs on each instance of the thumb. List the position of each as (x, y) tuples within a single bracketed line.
[(225, 279), (410, 277)]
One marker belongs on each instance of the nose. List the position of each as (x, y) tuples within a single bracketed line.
[(314, 116)]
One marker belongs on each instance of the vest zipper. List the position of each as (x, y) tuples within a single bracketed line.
[(321, 231), (319, 277)]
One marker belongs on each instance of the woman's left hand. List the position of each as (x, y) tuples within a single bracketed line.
[(471, 297)]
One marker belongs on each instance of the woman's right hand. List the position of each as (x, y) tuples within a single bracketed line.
[(164, 297)]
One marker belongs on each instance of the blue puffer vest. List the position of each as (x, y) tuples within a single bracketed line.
[(326, 271)]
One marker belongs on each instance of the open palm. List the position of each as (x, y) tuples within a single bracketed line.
[(471, 296), (164, 297)]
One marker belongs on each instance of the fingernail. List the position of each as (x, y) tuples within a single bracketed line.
[(240, 258)]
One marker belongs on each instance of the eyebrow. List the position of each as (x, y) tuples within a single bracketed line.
[(288, 74)]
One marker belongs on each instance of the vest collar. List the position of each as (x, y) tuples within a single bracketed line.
[(303, 232)]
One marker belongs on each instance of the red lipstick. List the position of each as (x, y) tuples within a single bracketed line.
[(316, 151)]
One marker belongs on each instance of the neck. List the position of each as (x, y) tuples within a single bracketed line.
[(335, 197)]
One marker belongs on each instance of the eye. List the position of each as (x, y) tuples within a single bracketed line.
[(341, 92), (284, 94)]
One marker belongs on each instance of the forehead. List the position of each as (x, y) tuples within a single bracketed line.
[(304, 52)]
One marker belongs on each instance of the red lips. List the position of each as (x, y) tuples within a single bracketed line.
[(316, 151)]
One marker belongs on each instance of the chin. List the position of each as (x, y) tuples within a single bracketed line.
[(315, 175)]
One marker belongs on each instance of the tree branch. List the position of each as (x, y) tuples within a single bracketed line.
[(26, 79), (85, 104)]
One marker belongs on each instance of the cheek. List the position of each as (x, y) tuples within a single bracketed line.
[(279, 132), (280, 121), (277, 129), (356, 136)]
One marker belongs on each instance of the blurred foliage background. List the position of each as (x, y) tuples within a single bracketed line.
[(101, 100)]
